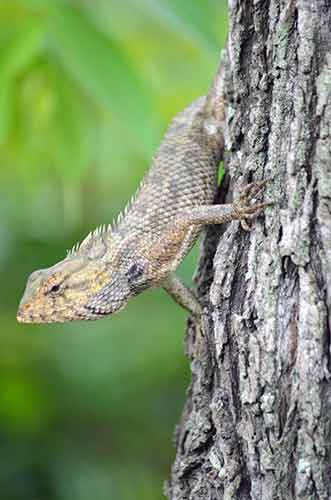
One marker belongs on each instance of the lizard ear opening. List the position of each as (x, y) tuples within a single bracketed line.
[(135, 272), (137, 276)]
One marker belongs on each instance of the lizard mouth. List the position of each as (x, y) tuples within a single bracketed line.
[(29, 318), (24, 315), (20, 318), (40, 318)]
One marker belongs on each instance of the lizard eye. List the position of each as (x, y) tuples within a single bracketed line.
[(52, 287)]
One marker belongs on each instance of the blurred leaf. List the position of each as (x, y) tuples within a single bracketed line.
[(5, 106), (103, 71), (191, 19), (21, 404), (71, 145), (22, 49)]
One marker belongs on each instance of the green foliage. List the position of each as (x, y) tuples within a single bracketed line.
[(101, 68), (86, 90)]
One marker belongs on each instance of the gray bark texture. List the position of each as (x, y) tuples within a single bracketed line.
[(257, 420)]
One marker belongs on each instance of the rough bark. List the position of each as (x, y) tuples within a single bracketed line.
[(257, 419)]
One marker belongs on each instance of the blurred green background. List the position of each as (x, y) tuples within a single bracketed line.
[(88, 410)]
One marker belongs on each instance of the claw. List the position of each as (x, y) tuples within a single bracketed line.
[(246, 210), (246, 213), (245, 226), (250, 190)]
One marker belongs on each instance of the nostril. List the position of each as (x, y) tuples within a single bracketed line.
[(22, 315), (19, 317), (22, 312)]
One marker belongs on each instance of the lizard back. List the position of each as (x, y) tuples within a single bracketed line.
[(183, 174)]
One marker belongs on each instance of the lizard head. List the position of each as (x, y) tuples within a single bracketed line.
[(61, 292), (84, 286)]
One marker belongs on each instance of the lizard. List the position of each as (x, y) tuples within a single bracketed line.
[(154, 233)]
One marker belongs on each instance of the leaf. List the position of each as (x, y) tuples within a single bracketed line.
[(6, 107), (22, 48), (191, 19), (71, 141), (19, 51), (100, 67)]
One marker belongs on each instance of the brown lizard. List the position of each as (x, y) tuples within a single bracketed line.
[(154, 233)]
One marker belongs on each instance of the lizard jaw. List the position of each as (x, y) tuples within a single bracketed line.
[(25, 316)]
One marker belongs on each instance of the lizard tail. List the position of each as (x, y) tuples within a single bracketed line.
[(215, 101), (214, 111)]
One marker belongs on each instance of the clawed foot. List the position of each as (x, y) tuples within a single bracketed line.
[(248, 212)]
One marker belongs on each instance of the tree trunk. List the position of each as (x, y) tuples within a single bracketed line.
[(257, 419)]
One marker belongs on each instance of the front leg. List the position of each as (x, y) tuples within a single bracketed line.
[(218, 214), (182, 294), (168, 250)]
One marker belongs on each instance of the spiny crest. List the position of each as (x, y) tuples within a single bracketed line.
[(128, 206), (90, 239), (93, 236)]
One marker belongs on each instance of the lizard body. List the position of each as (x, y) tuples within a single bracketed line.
[(155, 232)]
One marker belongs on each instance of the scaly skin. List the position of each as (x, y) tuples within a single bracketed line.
[(155, 233)]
